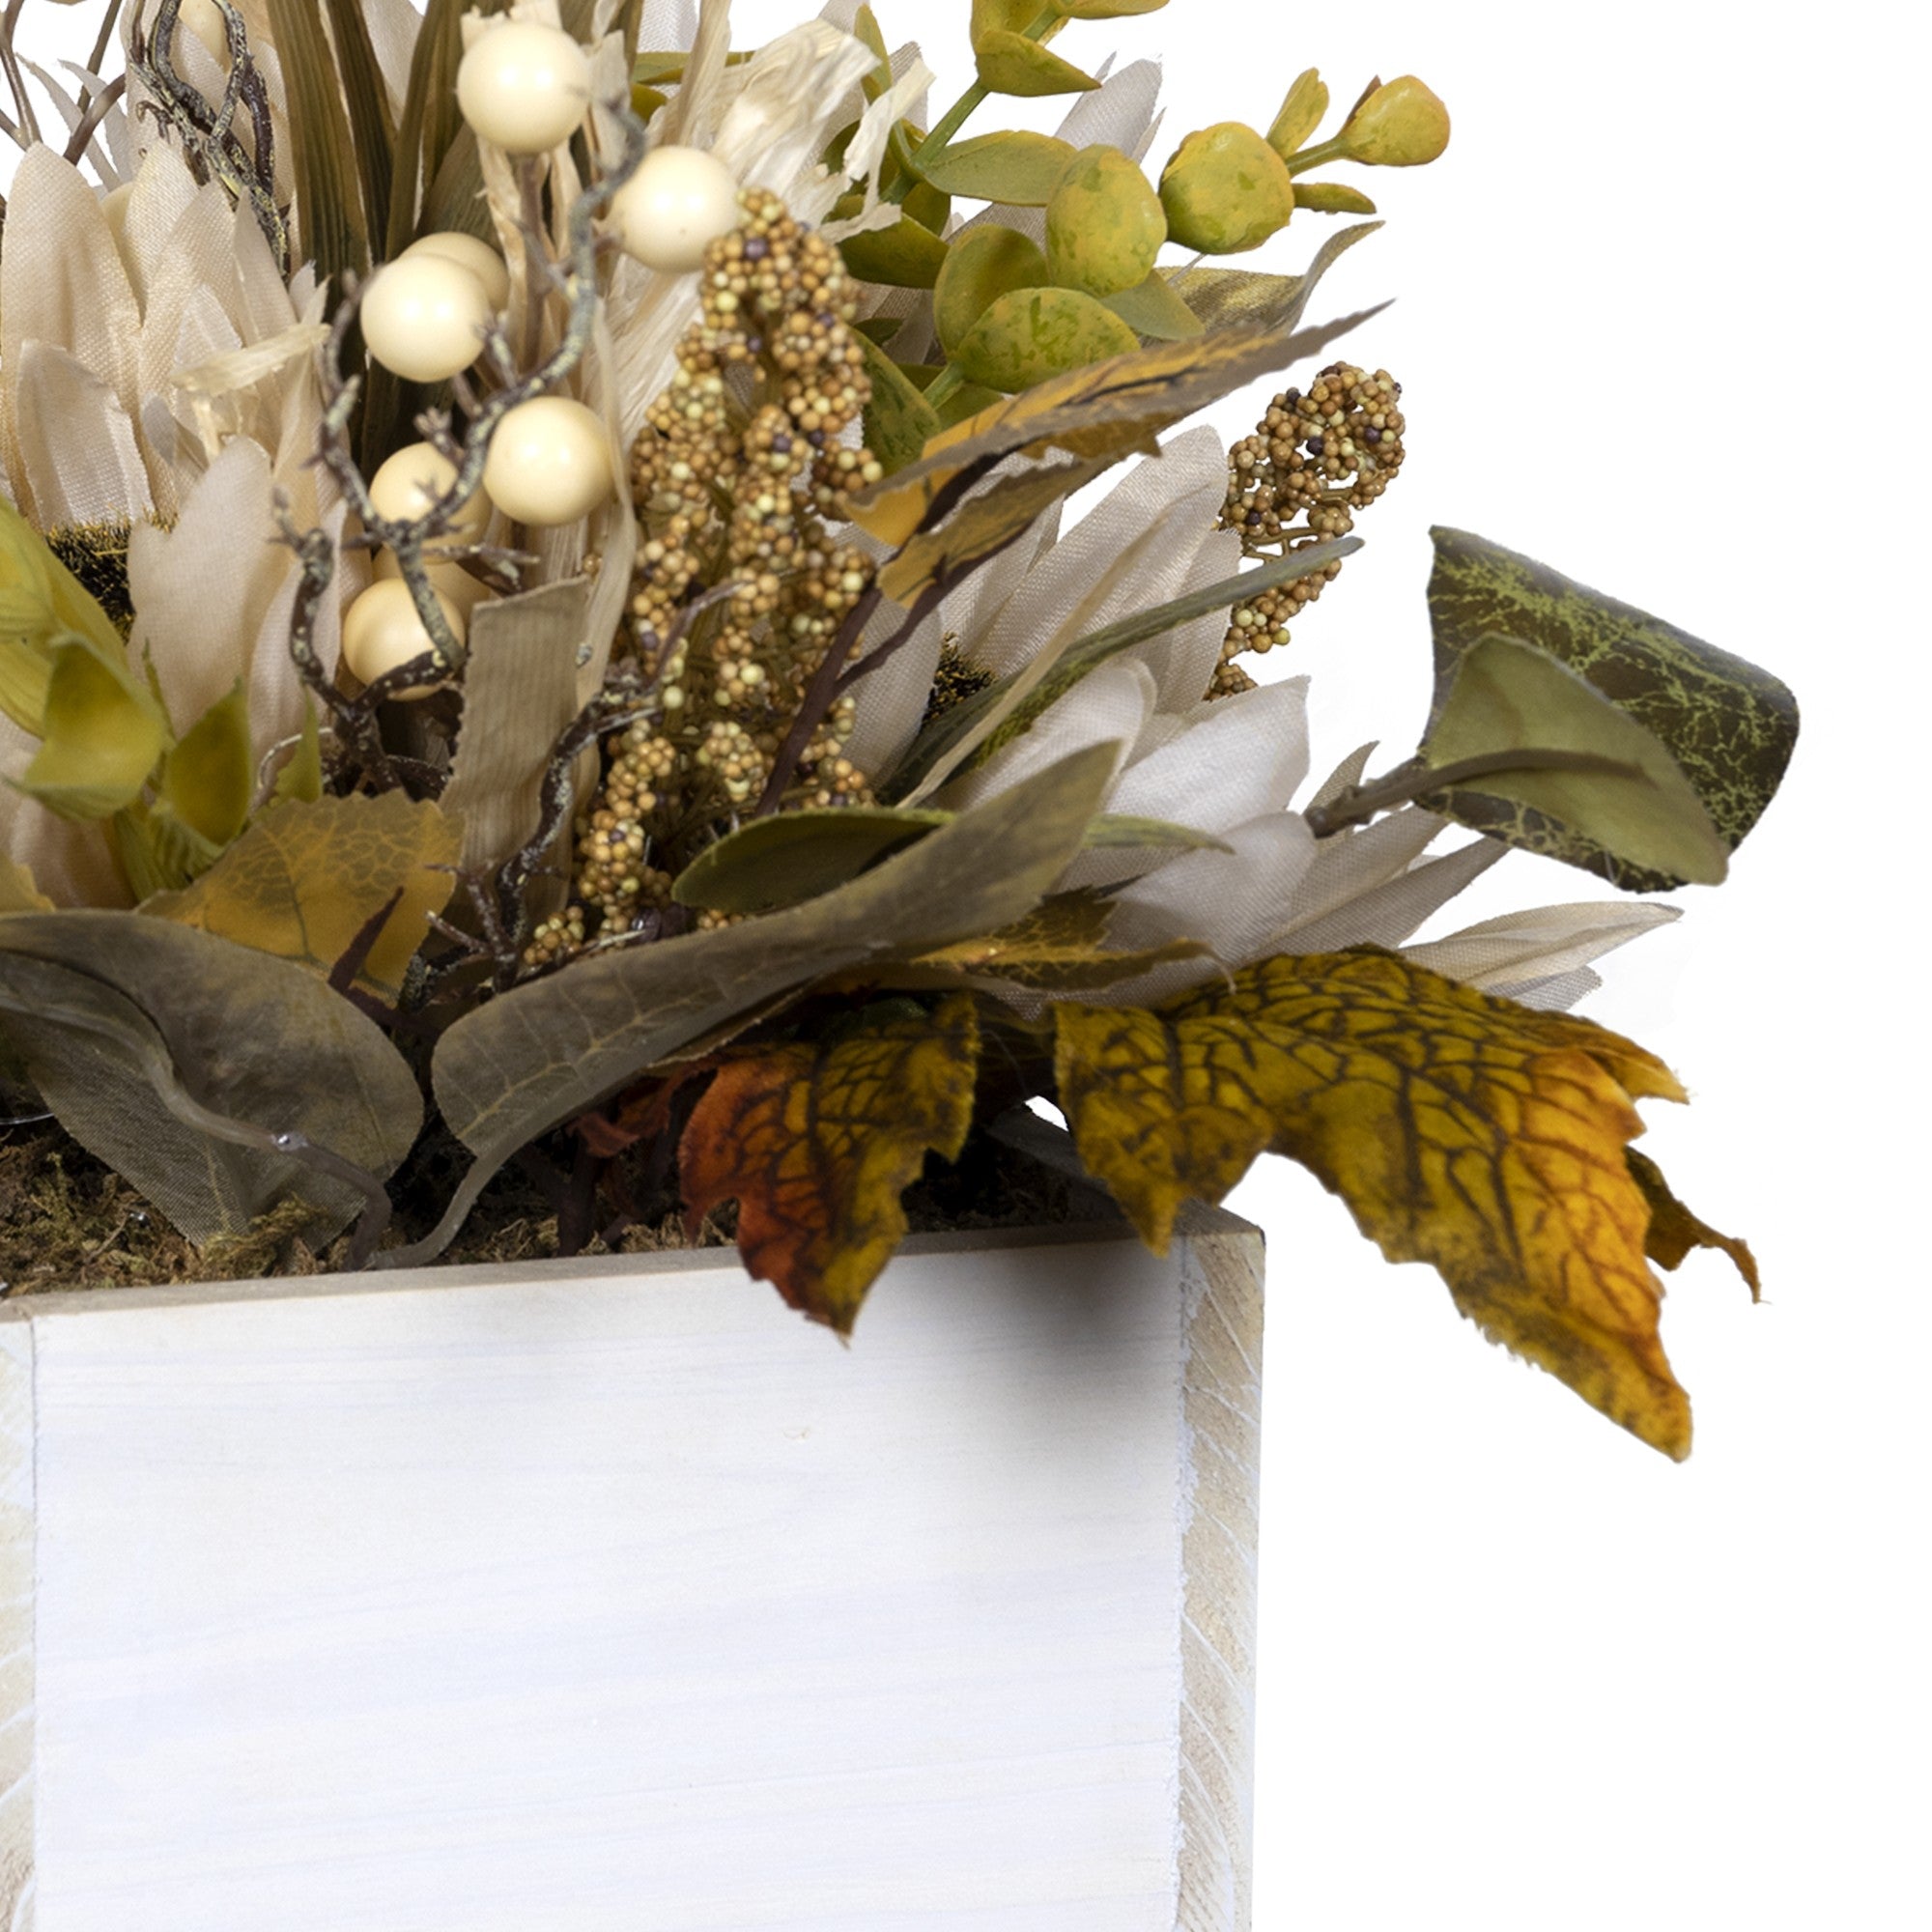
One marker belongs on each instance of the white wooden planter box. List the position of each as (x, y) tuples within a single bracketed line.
[(610, 1597)]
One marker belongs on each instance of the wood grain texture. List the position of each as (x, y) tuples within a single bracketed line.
[(498, 1598)]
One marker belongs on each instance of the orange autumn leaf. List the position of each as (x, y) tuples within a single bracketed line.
[(1463, 1130), (816, 1144), (306, 880)]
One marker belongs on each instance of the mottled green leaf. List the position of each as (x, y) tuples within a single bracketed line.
[(1226, 190), (1017, 169), (561, 1045), (1510, 696), (1729, 726), (907, 255), (986, 264), (174, 1056), (1301, 113), (1104, 225), (899, 421), (1032, 334), (1332, 198)]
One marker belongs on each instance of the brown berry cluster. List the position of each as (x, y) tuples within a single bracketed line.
[(1318, 456), (741, 474)]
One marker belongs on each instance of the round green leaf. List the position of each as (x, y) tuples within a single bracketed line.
[(1016, 169), (1033, 333), (1226, 190), (1104, 225), (984, 265), (907, 255)]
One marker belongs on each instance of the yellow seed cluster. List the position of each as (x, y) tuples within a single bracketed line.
[(746, 462), (1316, 457)]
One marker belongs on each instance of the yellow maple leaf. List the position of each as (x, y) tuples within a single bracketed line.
[(306, 881), (1463, 1130), (816, 1144)]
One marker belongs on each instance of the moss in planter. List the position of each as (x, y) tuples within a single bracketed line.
[(68, 1221)]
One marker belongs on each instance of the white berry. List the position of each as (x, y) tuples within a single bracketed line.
[(381, 632), (449, 580), (467, 252), (524, 88), (415, 480), (424, 318), (549, 462), (678, 203)]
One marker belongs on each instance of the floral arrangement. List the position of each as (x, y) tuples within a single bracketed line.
[(539, 620)]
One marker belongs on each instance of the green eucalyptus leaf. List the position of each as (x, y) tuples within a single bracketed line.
[(899, 422), (1104, 224), (1507, 696), (907, 255), (103, 733), (1033, 333), (209, 779), (1155, 313), (1729, 726), (1300, 114), (1332, 198), (1226, 190), (965, 402), (1105, 10), (1016, 169), (1012, 63), (174, 1057), (1225, 298), (986, 263), (929, 207), (555, 1048)]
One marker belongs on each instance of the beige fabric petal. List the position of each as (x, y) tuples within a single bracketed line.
[(1545, 943), (163, 191), (1112, 706), (202, 591), (60, 282), (78, 452)]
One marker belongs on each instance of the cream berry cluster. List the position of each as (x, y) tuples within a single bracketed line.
[(523, 88)]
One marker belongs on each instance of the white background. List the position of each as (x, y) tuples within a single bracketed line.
[(1655, 325)]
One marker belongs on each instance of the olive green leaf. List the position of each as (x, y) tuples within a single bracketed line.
[(1226, 190), (323, 157), (300, 780), (986, 264), (1104, 224), (558, 1047), (1032, 334), (431, 128), (1332, 198), (1510, 696), (1017, 169), (899, 422), (1729, 726), (1010, 63), (794, 856), (102, 733), (1301, 113), (178, 1058), (907, 255), (1226, 297), (369, 117), (1155, 313), (40, 599), (1105, 10), (209, 780)]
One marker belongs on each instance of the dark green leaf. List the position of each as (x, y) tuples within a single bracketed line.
[(1729, 726), (907, 255), (899, 421), (322, 161), (369, 117), (171, 1053)]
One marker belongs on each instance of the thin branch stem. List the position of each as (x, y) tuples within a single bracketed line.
[(1415, 780), (15, 80)]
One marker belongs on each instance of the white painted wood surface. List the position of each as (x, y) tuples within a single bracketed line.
[(493, 1601)]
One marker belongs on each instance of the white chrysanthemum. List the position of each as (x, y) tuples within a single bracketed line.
[(1229, 768)]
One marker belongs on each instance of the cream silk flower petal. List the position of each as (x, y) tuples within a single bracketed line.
[(78, 453)]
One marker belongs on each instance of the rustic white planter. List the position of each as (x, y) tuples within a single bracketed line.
[(614, 1599)]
